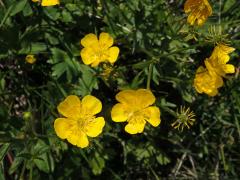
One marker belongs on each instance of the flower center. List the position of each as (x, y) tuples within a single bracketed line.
[(137, 117), (84, 122)]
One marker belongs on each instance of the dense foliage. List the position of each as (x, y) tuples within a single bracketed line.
[(158, 49)]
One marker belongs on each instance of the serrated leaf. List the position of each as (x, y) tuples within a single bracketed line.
[(59, 69), (162, 159), (97, 164)]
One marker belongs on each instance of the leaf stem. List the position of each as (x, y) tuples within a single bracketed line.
[(150, 70)]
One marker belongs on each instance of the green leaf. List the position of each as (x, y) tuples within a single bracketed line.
[(228, 4), (66, 17), (33, 48), (52, 13), (59, 69), (17, 7), (3, 150), (42, 157), (15, 165), (162, 159), (87, 81), (27, 11), (97, 164)]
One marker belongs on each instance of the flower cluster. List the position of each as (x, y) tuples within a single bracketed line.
[(208, 80), (136, 107), (79, 119)]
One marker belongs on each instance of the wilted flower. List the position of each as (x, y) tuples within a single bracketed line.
[(30, 59), (207, 81), (96, 51), (135, 107), (79, 120), (198, 11), (185, 117), (219, 59)]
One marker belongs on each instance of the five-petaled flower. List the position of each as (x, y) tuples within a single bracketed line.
[(96, 51), (79, 120), (48, 2), (135, 107), (198, 11)]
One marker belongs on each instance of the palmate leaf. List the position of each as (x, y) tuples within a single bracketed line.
[(63, 63)]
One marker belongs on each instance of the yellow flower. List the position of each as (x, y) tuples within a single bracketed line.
[(219, 59), (207, 81), (198, 11), (79, 120), (135, 107), (30, 59), (48, 2), (96, 51)]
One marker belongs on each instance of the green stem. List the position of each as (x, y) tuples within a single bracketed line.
[(31, 172), (223, 158), (150, 70), (23, 170)]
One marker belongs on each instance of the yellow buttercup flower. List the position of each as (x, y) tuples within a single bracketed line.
[(48, 2), (96, 51), (79, 120), (30, 59), (219, 59), (135, 107), (207, 81), (198, 11)]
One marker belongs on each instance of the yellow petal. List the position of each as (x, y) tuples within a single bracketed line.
[(134, 128), (145, 97), (229, 68), (50, 2), (95, 63), (191, 19), (136, 99), (62, 127), (113, 54), (152, 115), (82, 141), (209, 67), (105, 40), (89, 56), (89, 40), (78, 139), (94, 128), (91, 105), (127, 97), (213, 92), (119, 113), (70, 107)]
